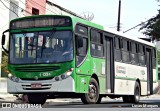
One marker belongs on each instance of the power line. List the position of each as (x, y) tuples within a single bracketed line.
[(63, 9), (9, 8), (4, 26), (136, 26), (18, 6), (133, 27), (21, 2)]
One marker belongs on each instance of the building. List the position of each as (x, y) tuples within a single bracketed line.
[(11, 9)]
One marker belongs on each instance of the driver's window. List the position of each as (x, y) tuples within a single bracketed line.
[(81, 47)]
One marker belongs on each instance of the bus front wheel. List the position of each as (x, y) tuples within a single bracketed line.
[(36, 98), (93, 93)]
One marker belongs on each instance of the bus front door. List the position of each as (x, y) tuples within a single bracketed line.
[(109, 66)]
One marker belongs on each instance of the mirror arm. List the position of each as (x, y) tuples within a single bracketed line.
[(6, 31), (5, 49)]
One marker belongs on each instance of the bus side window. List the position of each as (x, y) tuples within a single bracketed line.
[(126, 51), (117, 50), (97, 48), (81, 39), (141, 57), (134, 55), (81, 49)]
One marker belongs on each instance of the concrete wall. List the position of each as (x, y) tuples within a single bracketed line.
[(6, 16), (21, 8)]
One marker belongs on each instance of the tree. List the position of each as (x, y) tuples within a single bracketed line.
[(4, 64), (151, 28)]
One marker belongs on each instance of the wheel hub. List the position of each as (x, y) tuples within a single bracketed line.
[(92, 91)]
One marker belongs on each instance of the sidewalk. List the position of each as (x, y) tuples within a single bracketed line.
[(7, 97)]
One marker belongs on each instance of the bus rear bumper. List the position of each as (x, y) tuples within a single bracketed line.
[(65, 85)]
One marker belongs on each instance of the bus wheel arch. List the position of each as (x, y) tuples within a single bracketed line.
[(95, 77), (100, 96), (92, 96), (136, 94), (139, 84)]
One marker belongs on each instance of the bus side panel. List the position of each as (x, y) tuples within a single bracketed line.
[(102, 85), (155, 83), (98, 68), (83, 76), (121, 80), (126, 75)]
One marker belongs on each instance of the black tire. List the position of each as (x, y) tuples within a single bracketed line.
[(99, 99), (126, 99), (133, 98), (137, 92), (93, 93), (36, 98)]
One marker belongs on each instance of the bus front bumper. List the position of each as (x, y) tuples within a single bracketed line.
[(24, 86)]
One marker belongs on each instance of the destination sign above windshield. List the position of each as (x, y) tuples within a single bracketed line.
[(41, 22)]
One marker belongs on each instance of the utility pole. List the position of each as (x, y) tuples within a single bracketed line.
[(119, 14)]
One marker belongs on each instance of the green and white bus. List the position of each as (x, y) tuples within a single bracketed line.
[(55, 56)]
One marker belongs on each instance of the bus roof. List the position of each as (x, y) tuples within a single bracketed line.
[(112, 31), (129, 37), (88, 23)]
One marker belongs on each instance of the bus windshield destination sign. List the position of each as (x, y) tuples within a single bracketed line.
[(41, 22)]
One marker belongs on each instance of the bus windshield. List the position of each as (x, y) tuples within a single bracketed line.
[(41, 47)]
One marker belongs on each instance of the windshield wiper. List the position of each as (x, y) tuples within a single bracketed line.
[(50, 35), (32, 46)]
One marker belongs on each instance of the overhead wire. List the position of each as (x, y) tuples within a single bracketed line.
[(8, 8), (18, 6)]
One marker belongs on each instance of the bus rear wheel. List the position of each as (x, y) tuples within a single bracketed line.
[(133, 98), (36, 98), (93, 93), (136, 97)]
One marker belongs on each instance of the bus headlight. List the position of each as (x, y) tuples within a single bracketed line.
[(67, 73), (13, 78)]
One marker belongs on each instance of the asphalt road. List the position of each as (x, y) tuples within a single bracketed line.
[(145, 102)]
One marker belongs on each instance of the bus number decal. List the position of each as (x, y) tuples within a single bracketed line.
[(45, 74)]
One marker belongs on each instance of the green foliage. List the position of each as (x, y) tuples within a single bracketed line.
[(152, 27), (4, 64)]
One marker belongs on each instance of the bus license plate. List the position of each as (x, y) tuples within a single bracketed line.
[(36, 86)]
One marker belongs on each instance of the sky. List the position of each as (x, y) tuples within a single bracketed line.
[(133, 12)]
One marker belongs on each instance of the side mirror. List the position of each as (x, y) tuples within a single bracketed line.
[(3, 39)]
